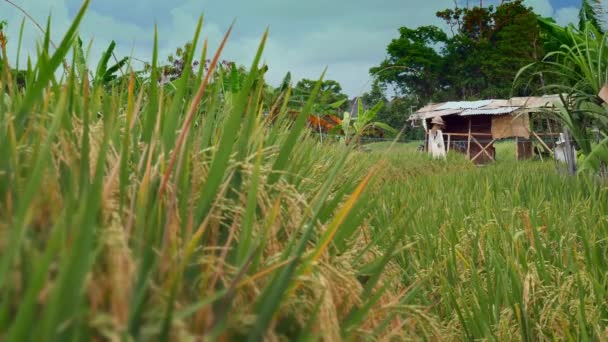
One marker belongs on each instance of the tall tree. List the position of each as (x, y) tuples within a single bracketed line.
[(487, 46), (331, 92), (414, 64)]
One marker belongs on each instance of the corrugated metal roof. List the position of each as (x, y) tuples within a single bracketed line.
[(485, 107), (490, 111), (436, 113), (499, 104), (464, 104)]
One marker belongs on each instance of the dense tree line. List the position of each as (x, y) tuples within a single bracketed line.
[(478, 57)]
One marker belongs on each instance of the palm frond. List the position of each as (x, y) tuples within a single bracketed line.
[(592, 11)]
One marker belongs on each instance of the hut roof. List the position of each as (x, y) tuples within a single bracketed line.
[(485, 107)]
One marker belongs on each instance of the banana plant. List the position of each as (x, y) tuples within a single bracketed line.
[(104, 74), (580, 68), (363, 123)]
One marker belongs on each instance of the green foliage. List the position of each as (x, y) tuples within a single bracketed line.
[(286, 83), (107, 74), (592, 12), (554, 35), (80, 62), (361, 123), (508, 251), (580, 70), (167, 212), (147, 214), (414, 64), (375, 95), (330, 93), (395, 112), (487, 47)]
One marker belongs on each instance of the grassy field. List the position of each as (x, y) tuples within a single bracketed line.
[(507, 251), (141, 211)]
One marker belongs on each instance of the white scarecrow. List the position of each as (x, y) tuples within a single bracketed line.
[(436, 143)]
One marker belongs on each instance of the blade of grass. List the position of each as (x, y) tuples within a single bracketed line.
[(171, 119), (294, 133), (190, 116), (21, 326), (246, 237), (341, 216), (227, 141), (151, 117), (272, 296), (18, 231)]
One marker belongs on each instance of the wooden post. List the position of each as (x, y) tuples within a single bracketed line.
[(549, 150), (516, 148), (449, 140), (570, 156), (484, 149), (469, 141)]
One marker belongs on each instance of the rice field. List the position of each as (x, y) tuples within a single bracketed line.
[(182, 212), (511, 251)]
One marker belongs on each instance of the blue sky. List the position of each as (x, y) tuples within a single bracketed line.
[(348, 36), (565, 3)]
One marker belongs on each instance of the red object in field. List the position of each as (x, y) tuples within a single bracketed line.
[(325, 123)]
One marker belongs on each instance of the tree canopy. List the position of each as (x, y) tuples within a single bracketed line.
[(331, 92), (478, 58)]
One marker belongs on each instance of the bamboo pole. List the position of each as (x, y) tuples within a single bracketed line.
[(469, 141), (542, 143), (466, 134), (449, 140)]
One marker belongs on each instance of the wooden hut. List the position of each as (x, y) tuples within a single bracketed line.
[(472, 127)]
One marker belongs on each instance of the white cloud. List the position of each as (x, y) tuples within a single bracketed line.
[(349, 43)]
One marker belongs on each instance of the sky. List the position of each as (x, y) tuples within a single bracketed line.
[(347, 36)]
